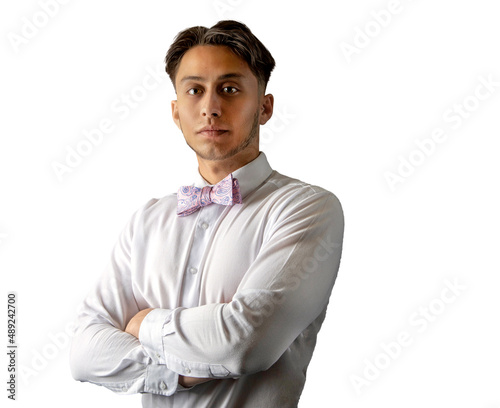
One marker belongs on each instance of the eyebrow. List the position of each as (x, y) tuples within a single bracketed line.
[(232, 75)]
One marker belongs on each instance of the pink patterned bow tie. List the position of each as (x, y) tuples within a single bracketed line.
[(191, 199)]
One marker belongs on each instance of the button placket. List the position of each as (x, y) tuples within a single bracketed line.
[(206, 219), (204, 226)]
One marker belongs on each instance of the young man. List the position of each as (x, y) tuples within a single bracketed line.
[(214, 296)]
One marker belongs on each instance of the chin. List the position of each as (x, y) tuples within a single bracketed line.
[(214, 156)]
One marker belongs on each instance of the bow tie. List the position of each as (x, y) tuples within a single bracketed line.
[(191, 199)]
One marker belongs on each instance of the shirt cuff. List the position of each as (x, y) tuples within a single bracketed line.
[(151, 336), (160, 380)]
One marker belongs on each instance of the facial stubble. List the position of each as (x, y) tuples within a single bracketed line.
[(213, 155)]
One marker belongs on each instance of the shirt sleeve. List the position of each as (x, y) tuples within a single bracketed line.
[(286, 288), (101, 352)]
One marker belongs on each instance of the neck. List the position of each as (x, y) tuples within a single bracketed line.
[(214, 171)]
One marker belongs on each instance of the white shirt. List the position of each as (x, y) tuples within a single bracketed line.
[(239, 292)]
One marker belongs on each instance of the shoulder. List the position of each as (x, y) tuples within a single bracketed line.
[(291, 191), (288, 199), (155, 210)]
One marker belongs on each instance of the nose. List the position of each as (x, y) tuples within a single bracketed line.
[(211, 105)]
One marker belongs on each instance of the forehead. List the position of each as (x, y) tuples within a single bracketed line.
[(209, 62)]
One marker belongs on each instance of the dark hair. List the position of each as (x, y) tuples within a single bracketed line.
[(233, 34)]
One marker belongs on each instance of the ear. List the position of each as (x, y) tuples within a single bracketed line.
[(266, 109), (175, 114)]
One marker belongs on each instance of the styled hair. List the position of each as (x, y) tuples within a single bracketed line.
[(232, 34)]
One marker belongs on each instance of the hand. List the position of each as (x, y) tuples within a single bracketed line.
[(134, 325), (187, 382)]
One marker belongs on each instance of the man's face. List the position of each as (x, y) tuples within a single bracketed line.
[(219, 105)]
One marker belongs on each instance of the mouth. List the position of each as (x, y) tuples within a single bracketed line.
[(212, 131)]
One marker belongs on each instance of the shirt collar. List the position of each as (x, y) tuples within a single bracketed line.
[(249, 177)]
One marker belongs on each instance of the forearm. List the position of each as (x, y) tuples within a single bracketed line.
[(226, 344), (107, 356)]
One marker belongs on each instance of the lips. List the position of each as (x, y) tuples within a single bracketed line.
[(212, 131)]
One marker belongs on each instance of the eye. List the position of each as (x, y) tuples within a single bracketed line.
[(194, 91), (229, 90)]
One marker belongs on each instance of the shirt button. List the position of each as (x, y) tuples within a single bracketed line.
[(163, 386), (193, 270), (188, 370), (204, 225), (158, 355)]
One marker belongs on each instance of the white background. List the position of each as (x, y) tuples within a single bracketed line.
[(346, 120)]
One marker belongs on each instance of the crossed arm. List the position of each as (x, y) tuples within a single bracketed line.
[(293, 274)]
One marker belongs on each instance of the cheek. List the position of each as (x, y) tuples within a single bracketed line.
[(246, 114), (186, 113)]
